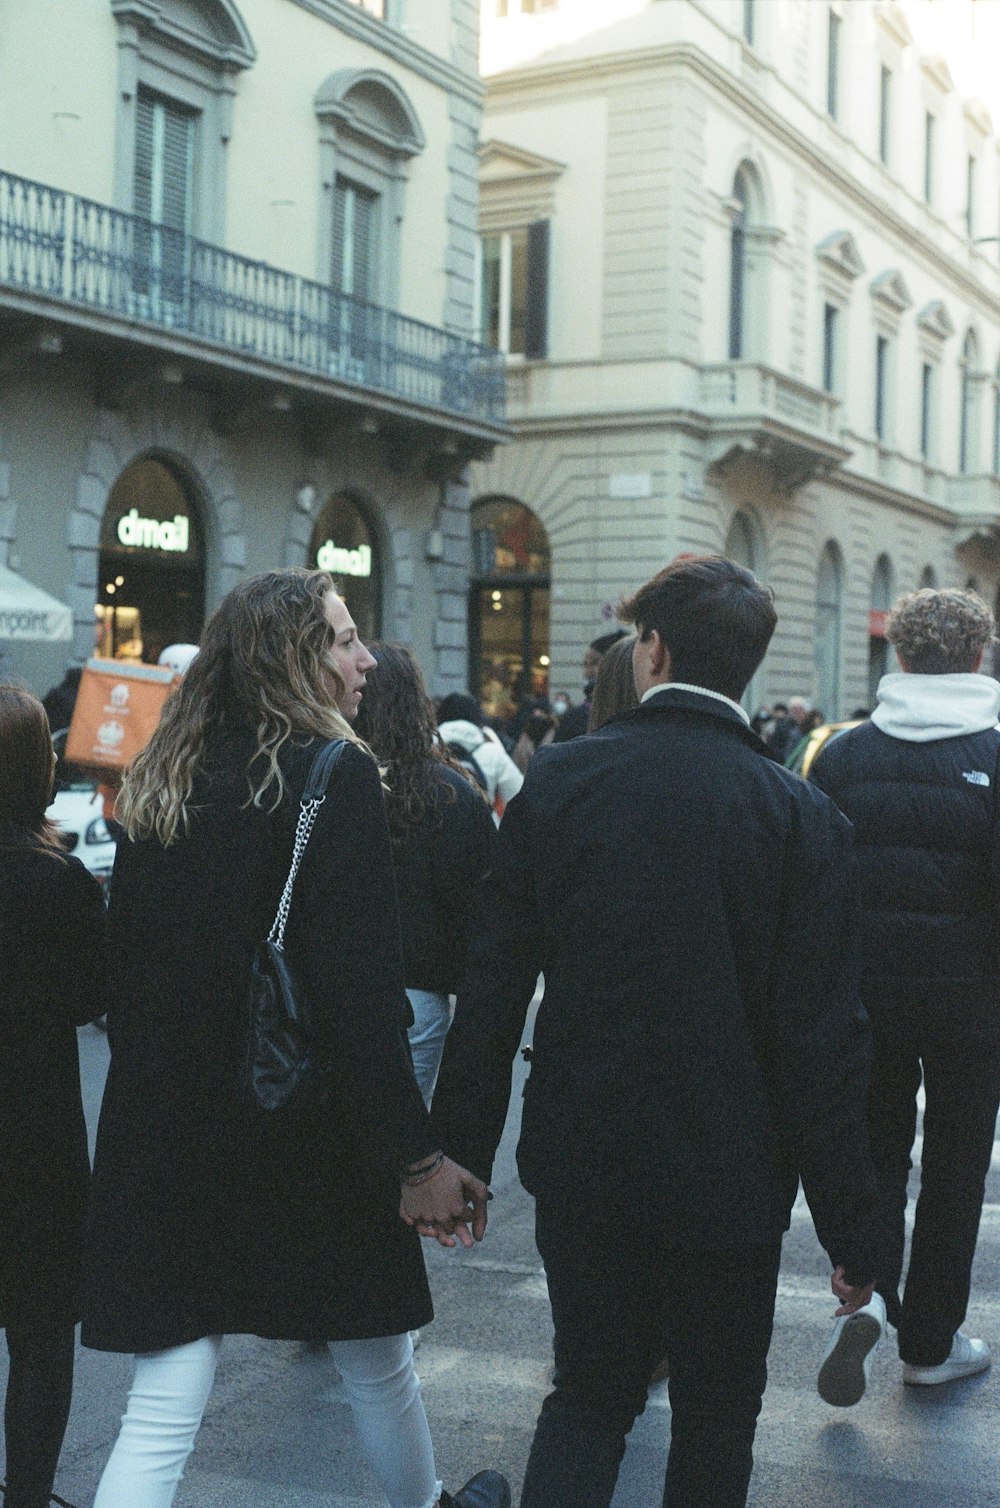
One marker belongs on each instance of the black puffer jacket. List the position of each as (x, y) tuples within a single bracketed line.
[(927, 856)]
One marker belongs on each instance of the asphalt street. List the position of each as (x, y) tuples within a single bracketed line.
[(277, 1433)]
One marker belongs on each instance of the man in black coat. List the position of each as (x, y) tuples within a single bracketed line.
[(919, 782), (698, 1047)]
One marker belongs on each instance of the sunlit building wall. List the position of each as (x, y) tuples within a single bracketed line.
[(744, 259)]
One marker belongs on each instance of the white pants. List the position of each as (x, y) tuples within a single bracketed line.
[(171, 1389)]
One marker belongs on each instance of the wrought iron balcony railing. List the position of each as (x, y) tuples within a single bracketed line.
[(61, 246)]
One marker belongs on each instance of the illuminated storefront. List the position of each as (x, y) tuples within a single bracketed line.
[(508, 606), (151, 581), (343, 545)]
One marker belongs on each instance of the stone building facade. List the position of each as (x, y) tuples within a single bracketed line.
[(237, 280), (767, 321)]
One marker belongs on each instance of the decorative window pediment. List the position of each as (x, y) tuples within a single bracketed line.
[(890, 290), (978, 116), (840, 251), (890, 16), (516, 187), (371, 105), (499, 161), (211, 30), (935, 320), (937, 71)]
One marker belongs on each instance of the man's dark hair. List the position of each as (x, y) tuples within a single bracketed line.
[(603, 643), (714, 617)]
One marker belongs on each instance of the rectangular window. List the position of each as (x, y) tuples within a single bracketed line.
[(830, 320), (884, 112), (162, 199), (970, 196), (926, 408), (929, 157), (504, 290), (881, 378), (832, 63), (748, 21), (354, 241), (164, 162)]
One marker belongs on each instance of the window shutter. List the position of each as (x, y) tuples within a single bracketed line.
[(339, 219), (364, 225), (142, 197), (536, 343), (164, 159), (178, 134)]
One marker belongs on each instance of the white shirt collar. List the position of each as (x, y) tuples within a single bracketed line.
[(699, 691)]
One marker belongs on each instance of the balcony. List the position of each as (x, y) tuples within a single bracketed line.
[(788, 426), (70, 260), (975, 502)]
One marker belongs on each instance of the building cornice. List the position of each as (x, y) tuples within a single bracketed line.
[(594, 73), (394, 44)]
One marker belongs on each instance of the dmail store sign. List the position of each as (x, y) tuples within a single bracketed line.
[(341, 562), (172, 536)]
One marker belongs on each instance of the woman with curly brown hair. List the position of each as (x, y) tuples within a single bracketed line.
[(209, 1216), (442, 845), (51, 927)]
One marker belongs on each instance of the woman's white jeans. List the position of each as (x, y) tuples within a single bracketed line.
[(431, 1020), (171, 1389)]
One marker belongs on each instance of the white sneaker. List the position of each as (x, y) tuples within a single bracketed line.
[(847, 1360), (966, 1357)]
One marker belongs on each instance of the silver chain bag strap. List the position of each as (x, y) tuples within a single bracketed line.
[(283, 1062)]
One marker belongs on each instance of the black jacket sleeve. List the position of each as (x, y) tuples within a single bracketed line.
[(343, 939), (462, 864), (818, 1041), (78, 955), (505, 959)]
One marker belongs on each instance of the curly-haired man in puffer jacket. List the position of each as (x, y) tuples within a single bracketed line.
[(920, 784)]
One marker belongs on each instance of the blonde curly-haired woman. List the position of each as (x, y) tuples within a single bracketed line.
[(211, 1218)]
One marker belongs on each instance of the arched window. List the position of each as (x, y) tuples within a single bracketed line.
[(928, 578), (177, 68), (829, 612), (344, 545), (508, 606), (967, 415), (369, 131), (879, 649), (151, 581), (737, 266)]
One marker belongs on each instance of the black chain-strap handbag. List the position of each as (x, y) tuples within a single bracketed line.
[(282, 1059)]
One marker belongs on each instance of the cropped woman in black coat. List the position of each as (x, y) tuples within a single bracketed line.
[(442, 845), (211, 1217), (51, 926)]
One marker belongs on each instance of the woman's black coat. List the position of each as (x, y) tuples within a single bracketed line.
[(208, 1216), (51, 925), (441, 870)]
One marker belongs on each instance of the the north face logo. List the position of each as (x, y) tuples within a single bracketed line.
[(976, 777)]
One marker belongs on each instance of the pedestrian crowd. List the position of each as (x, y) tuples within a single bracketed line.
[(330, 909)]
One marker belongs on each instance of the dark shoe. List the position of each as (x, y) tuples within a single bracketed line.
[(487, 1489)]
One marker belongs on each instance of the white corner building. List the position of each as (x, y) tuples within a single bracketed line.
[(744, 259)]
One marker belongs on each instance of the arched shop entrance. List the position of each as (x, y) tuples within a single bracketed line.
[(508, 606), (151, 582), (343, 545)]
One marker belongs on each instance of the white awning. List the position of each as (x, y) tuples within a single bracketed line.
[(26, 612)]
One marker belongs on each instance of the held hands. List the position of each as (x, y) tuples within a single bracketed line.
[(851, 1299), (444, 1204)]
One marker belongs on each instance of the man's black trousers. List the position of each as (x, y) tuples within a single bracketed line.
[(622, 1298), (961, 1076)]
